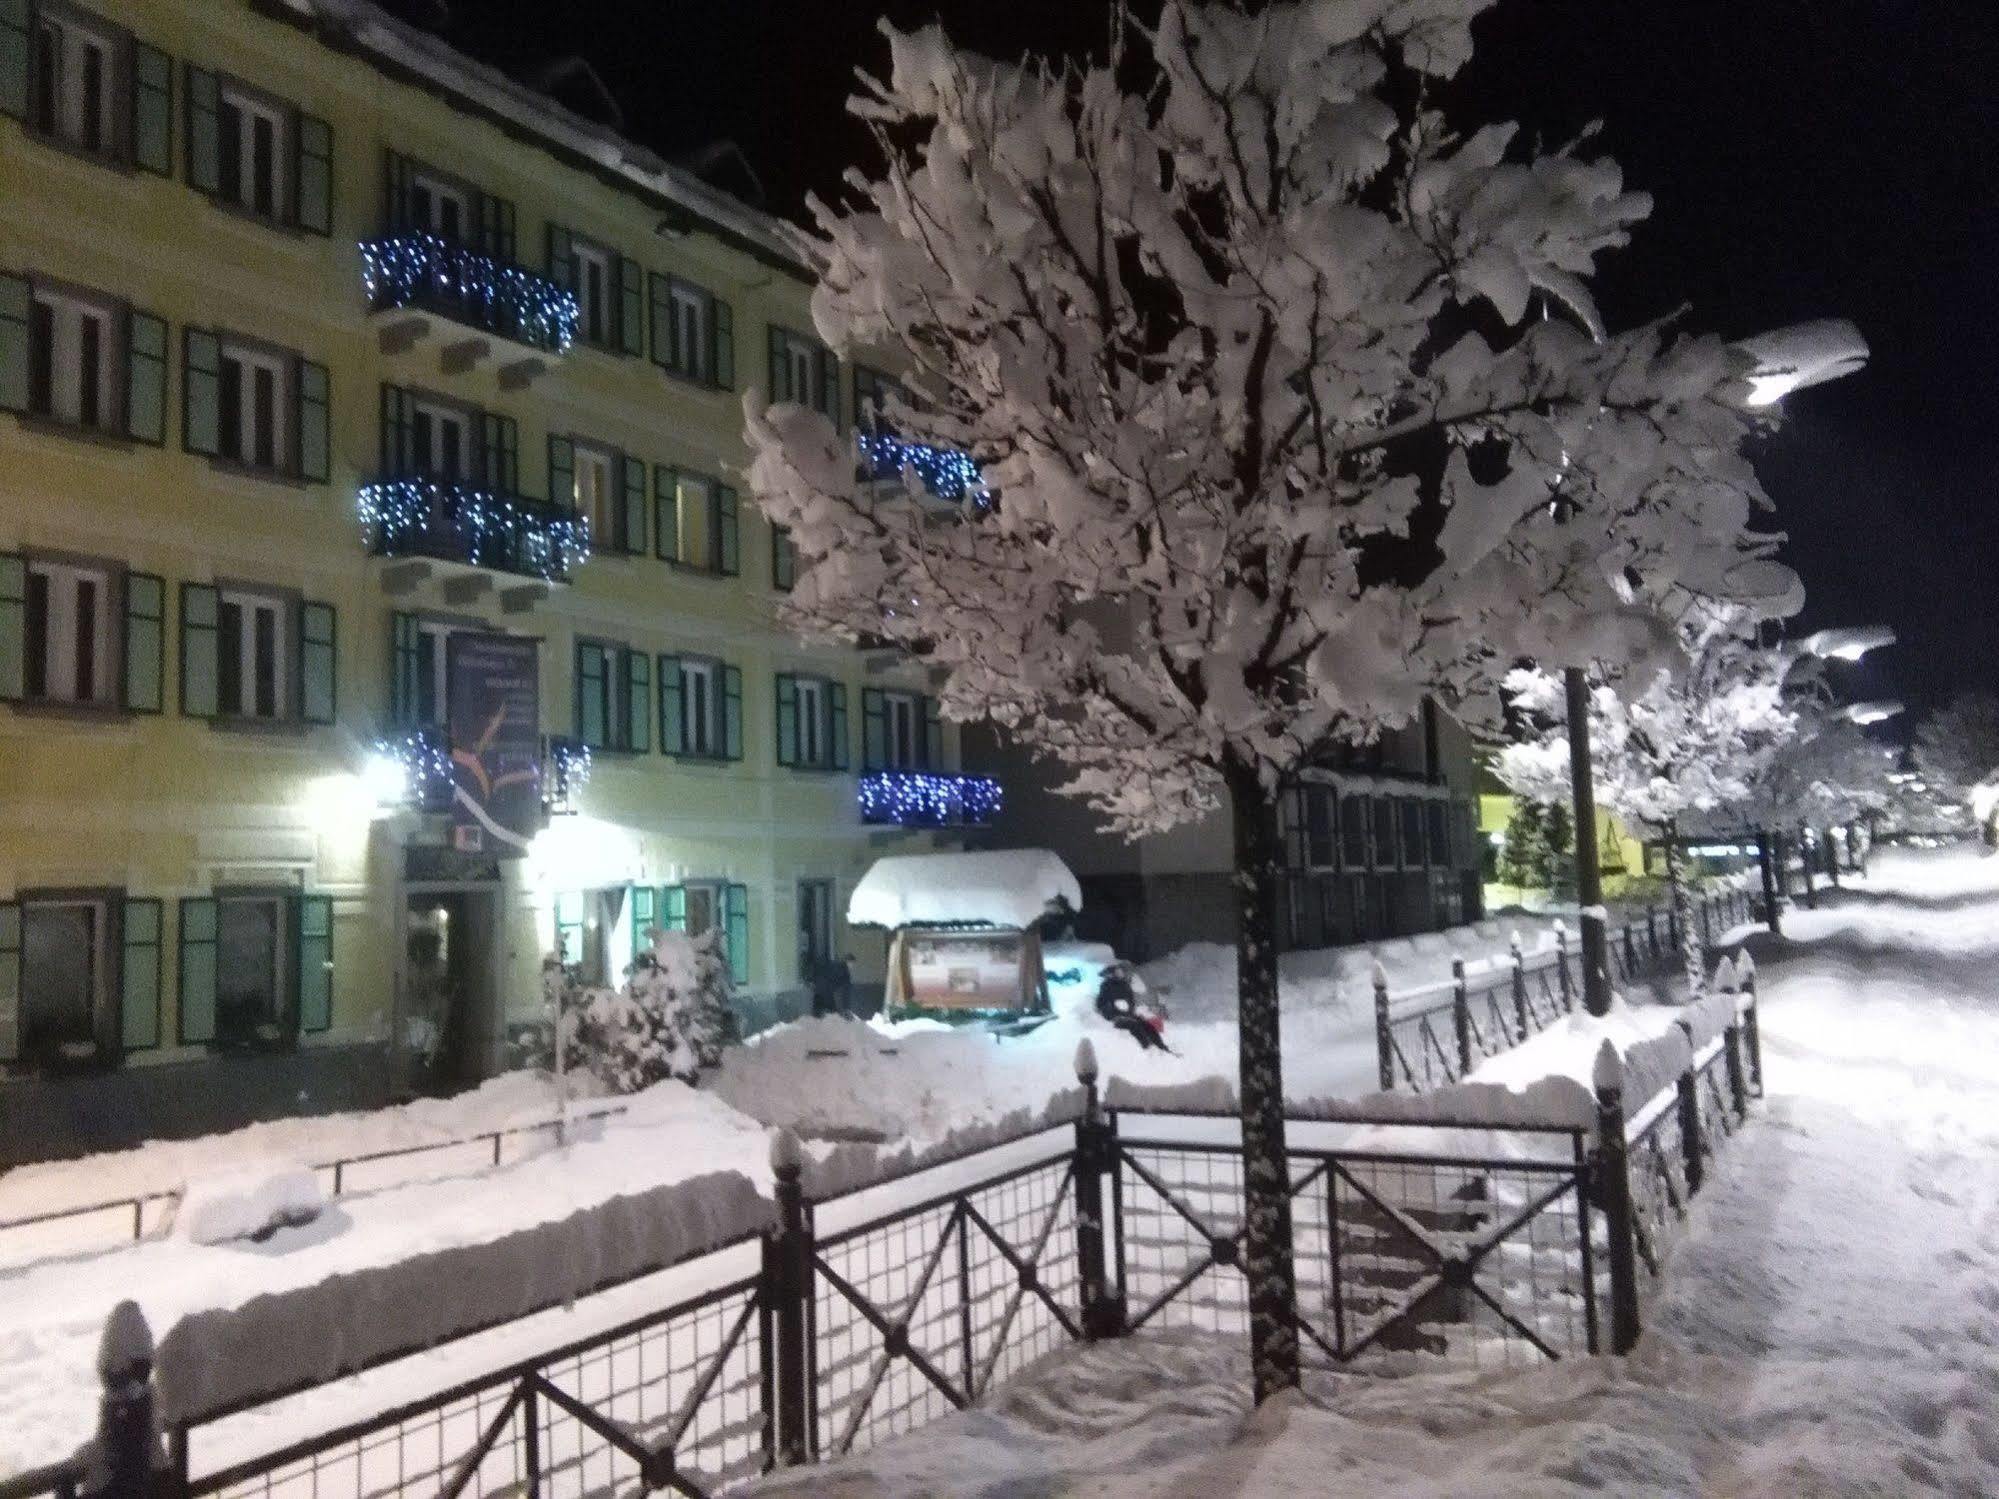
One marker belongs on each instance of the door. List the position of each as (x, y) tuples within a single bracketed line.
[(815, 927), (449, 1033)]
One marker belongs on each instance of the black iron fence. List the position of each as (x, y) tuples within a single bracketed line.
[(1419, 1237), (1430, 1037)]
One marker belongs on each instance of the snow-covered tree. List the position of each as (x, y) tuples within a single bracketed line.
[(671, 1018), (1523, 853), (1682, 740), (1957, 746), (1275, 435)]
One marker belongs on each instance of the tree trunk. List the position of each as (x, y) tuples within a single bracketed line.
[(1267, 1252), (1805, 867), (1831, 857), (1691, 956), (1589, 872), (1773, 916)]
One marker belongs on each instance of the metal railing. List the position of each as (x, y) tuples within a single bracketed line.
[(1532, 1251), (1423, 1042), (147, 1211)]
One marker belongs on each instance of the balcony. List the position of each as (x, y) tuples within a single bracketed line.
[(920, 799), (945, 472), (447, 521), (418, 273)]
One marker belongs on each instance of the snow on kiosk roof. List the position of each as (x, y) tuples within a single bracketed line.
[(1002, 887)]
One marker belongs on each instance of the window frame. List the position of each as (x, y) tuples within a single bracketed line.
[(109, 663), (254, 103), (285, 1026), (117, 41), (283, 604), (106, 1010), (50, 293)]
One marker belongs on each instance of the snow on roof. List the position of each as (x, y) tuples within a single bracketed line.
[(1004, 887), (396, 45)]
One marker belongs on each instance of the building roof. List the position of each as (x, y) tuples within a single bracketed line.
[(413, 55)]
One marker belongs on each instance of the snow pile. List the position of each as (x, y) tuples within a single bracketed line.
[(1003, 887), (849, 1168), (1827, 1325), (249, 1201), (311, 1334)]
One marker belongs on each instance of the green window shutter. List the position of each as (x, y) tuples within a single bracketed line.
[(638, 701), (201, 392), (15, 304), (395, 190), (562, 480), (666, 513), (728, 534), (198, 644), (314, 401), (569, 926), (933, 736), (590, 694), (312, 175), (506, 477), (318, 690), (313, 943), (787, 718), (632, 506), (398, 432), (562, 258), (732, 713), (659, 311), (672, 715), (139, 976), (829, 385), (197, 970), (874, 729), (673, 908), (145, 377), (13, 82), (736, 921), (13, 627), (10, 981), (145, 638), (152, 109), (204, 130), (405, 668), (836, 722), (644, 901), (722, 357), (783, 560), (496, 226), (631, 308)]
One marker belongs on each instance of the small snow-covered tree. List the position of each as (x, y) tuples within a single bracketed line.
[(1956, 748), (671, 1018), (1681, 740), (1247, 345), (1523, 854)]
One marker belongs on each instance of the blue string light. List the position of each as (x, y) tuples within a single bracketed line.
[(570, 762), (460, 523), (911, 798), (425, 760), (945, 472), (432, 273)]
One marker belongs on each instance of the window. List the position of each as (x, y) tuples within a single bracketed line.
[(442, 441), (900, 731), (593, 272), (70, 656), (700, 708), (254, 407), (250, 404), (1320, 845), (609, 291), (873, 392), (1438, 815), (256, 966), (1412, 833), (443, 208), (595, 491), (75, 84), (696, 522), (607, 488), (249, 968), (1385, 855), (693, 332), (702, 906), (253, 154), (64, 978), (73, 349), (613, 697), (426, 436), (249, 655), (420, 654), (783, 560), (805, 371), (1353, 828)]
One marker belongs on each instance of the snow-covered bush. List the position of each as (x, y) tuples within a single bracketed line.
[(252, 1200), (671, 1019)]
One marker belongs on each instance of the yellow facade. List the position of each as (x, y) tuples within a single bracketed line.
[(171, 806)]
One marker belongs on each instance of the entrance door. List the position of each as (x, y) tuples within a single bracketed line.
[(449, 1037), (815, 927)]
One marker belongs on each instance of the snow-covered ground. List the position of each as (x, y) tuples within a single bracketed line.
[(1828, 1326)]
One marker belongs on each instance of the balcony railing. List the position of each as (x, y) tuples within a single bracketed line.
[(921, 799), (945, 472), (456, 522), (429, 273)]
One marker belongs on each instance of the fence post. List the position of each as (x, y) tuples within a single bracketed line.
[(1562, 967), (1613, 1195), (1752, 1030), (1461, 1016), (1738, 1090), (1652, 931), (1707, 923), (1519, 987), (1384, 1039), (1103, 1312), (1690, 1117), (126, 1459), (1630, 953), (788, 1282)]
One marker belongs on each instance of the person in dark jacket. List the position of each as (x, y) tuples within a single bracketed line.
[(1117, 1002)]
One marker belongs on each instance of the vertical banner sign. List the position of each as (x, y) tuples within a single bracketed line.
[(495, 723)]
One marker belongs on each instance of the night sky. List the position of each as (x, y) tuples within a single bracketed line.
[(1808, 157)]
